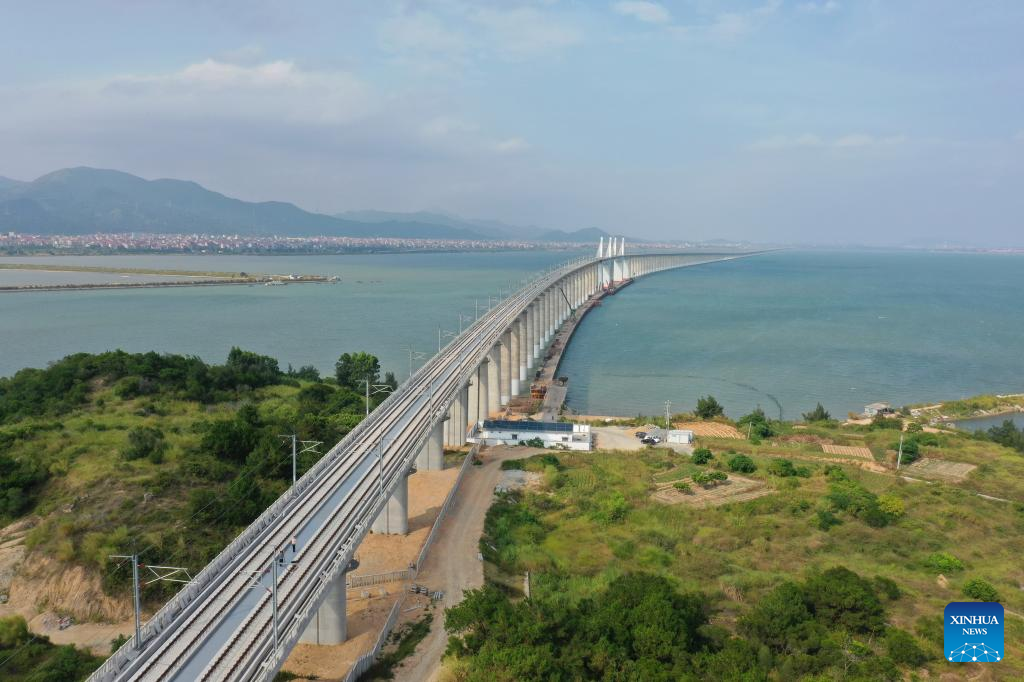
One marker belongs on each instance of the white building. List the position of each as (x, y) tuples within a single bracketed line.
[(553, 434), (682, 436)]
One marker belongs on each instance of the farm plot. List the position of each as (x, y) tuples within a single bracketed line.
[(735, 489), (709, 429), (847, 450), (940, 469)]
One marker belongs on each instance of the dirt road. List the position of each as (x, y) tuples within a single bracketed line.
[(452, 564)]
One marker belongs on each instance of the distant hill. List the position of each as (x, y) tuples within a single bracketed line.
[(587, 234), (86, 200)]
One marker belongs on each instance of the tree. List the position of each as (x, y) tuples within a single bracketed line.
[(742, 464), (708, 407), (701, 456), (911, 449), (838, 597), (757, 423), (390, 380), (979, 589), (818, 414), (782, 621), (891, 506), (352, 369)]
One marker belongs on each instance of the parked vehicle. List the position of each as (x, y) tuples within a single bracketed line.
[(648, 441), (640, 434)]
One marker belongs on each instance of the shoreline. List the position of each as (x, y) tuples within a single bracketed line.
[(27, 288)]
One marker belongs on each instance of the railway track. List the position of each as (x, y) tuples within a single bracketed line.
[(220, 626)]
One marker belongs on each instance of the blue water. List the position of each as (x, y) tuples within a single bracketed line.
[(986, 423), (788, 329), (782, 330)]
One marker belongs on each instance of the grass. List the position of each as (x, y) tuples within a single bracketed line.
[(403, 643), (739, 551), (94, 495)]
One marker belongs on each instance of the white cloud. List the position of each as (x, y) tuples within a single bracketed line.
[(421, 31), (649, 12), (524, 31), (820, 7), (808, 140), (511, 145), (727, 27)]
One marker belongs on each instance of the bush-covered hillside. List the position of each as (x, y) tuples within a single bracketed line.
[(164, 453)]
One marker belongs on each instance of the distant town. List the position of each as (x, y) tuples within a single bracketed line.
[(19, 244)]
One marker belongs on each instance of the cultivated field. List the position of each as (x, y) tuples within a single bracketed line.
[(736, 489)]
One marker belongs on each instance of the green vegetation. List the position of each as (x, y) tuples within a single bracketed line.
[(701, 456), (757, 425), (162, 452), (403, 643), (832, 576), (1007, 434), (742, 464), (33, 658), (708, 408), (818, 414), (981, 590)]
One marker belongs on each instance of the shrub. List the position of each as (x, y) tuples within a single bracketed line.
[(709, 479), (838, 597), (534, 442), (944, 562), (891, 506), (145, 441), (785, 469), (683, 487), (742, 464), (903, 648), (701, 456), (818, 414), (824, 519), (979, 589)]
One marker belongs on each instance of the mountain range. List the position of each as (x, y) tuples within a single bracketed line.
[(89, 200)]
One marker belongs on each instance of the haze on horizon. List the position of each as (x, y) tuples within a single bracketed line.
[(810, 121)]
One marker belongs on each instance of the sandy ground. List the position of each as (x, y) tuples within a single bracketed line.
[(453, 565), (622, 438), (368, 607)]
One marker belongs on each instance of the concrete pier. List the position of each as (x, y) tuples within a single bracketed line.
[(473, 399), (494, 381), (329, 624), (483, 374), (505, 350), (431, 455), (394, 518), (513, 365)]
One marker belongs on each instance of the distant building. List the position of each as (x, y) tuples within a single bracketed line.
[(877, 408), (682, 436), (552, 434)]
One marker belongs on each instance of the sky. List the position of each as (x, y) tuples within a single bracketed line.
[(800, 121)]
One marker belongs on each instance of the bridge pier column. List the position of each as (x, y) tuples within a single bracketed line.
[(494, 381), (473, 400), (506, 368), (484, 396), (394, 517), (464, 417), (524, 354), (531, 341), (329, 624), (513, 364), (431, 455)]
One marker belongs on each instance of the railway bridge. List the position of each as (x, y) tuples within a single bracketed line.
[(243, 613)]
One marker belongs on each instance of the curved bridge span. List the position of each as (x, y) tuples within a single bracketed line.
[(221, 625)]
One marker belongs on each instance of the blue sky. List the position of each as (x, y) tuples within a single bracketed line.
[(828, 121)]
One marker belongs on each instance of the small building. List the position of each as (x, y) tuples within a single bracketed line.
[(682, 436), (877, 408), (563, 435)]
